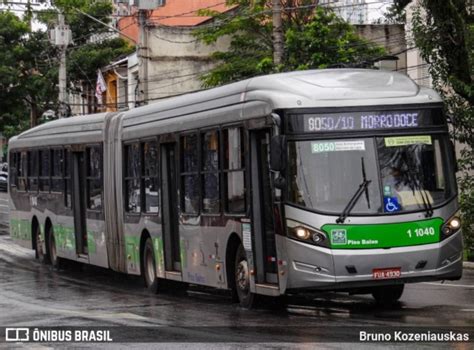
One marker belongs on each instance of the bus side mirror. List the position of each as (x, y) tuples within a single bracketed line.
[(277, 153)]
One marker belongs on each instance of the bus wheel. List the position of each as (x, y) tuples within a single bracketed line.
[(387, 295), (53, 252), (242, 280), (149, 267), (40, 254)]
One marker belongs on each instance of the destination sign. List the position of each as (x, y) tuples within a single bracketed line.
[(357, 120)]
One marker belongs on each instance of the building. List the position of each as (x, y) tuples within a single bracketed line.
[(175, 58), (359, 11), (417, 68)]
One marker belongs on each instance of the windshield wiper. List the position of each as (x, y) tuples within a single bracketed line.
[(424, 197), (363, 187)]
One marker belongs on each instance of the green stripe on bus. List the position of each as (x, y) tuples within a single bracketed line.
[(132, 245), (20, 229), (65, 237), (402, 234)]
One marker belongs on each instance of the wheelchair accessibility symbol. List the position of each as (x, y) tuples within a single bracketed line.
[(391, 204)]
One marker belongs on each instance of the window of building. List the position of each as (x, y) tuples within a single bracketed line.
[(94, 178), (57, 166), (190, 174), (210, 172), (234, 170), (132, 178), (44, 176), (33, 170), (150, 177)]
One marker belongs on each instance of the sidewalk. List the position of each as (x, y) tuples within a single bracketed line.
[(468, 265)]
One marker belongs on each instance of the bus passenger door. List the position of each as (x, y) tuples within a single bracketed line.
[(170, 207), (262, 208), (79, 201)]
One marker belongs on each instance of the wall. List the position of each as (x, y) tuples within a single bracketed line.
[(176, 60), (392, 38)]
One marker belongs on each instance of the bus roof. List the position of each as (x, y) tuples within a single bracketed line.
[(301, 89)]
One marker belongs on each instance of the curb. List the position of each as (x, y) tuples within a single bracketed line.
[(468, 265)]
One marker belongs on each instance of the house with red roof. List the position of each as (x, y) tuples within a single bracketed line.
[(175, 58)]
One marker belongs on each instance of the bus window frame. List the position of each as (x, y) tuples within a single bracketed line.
[(29, 160), (197, 173), (243, 141), (201, 172), (59, 177), (47, 150), (439, 130), (67, 175), (126, 178), (25, 176), (157, 177), (90, 178), (12, 159)]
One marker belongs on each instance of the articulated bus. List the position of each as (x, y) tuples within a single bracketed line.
[(314, 180)]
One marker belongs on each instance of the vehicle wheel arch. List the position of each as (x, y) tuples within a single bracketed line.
[(47, 226), (34, 227), (233, 244), (143, 237)]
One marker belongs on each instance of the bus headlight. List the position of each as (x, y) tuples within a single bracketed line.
[(450, 227), (306, 234)]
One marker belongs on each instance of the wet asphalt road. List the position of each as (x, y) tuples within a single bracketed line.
[(35, 295)]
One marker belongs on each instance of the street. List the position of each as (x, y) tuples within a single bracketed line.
[(35, 295)]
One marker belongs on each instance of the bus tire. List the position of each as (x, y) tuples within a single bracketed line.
[(387, 295), (247, 299), (149, 267), (41, 255), (52, 249)]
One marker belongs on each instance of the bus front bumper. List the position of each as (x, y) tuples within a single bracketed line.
[(312, 267)]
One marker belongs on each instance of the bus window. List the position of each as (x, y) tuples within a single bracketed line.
[(67, 179), (94, 178), (44, 170), (12, 169), (21, 171), (57, 170), (189, 174), (150, 176), (132, 178), (210, 172), (33, 169), (234, 171)]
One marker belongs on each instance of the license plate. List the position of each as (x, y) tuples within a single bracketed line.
[(383, 274)]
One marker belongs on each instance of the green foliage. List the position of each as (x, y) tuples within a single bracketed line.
[(26, 84), (314, 38), (85, 57), (444, 32), (81, 26), (29, 63)]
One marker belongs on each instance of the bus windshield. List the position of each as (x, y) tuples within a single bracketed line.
[(402, 174)]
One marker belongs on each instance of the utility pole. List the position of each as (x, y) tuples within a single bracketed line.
[(277, 33), (142, 58), (61, 37)]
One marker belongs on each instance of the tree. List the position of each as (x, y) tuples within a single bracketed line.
[(84, 55), (314, 38), (26, 72), (444, 33)]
